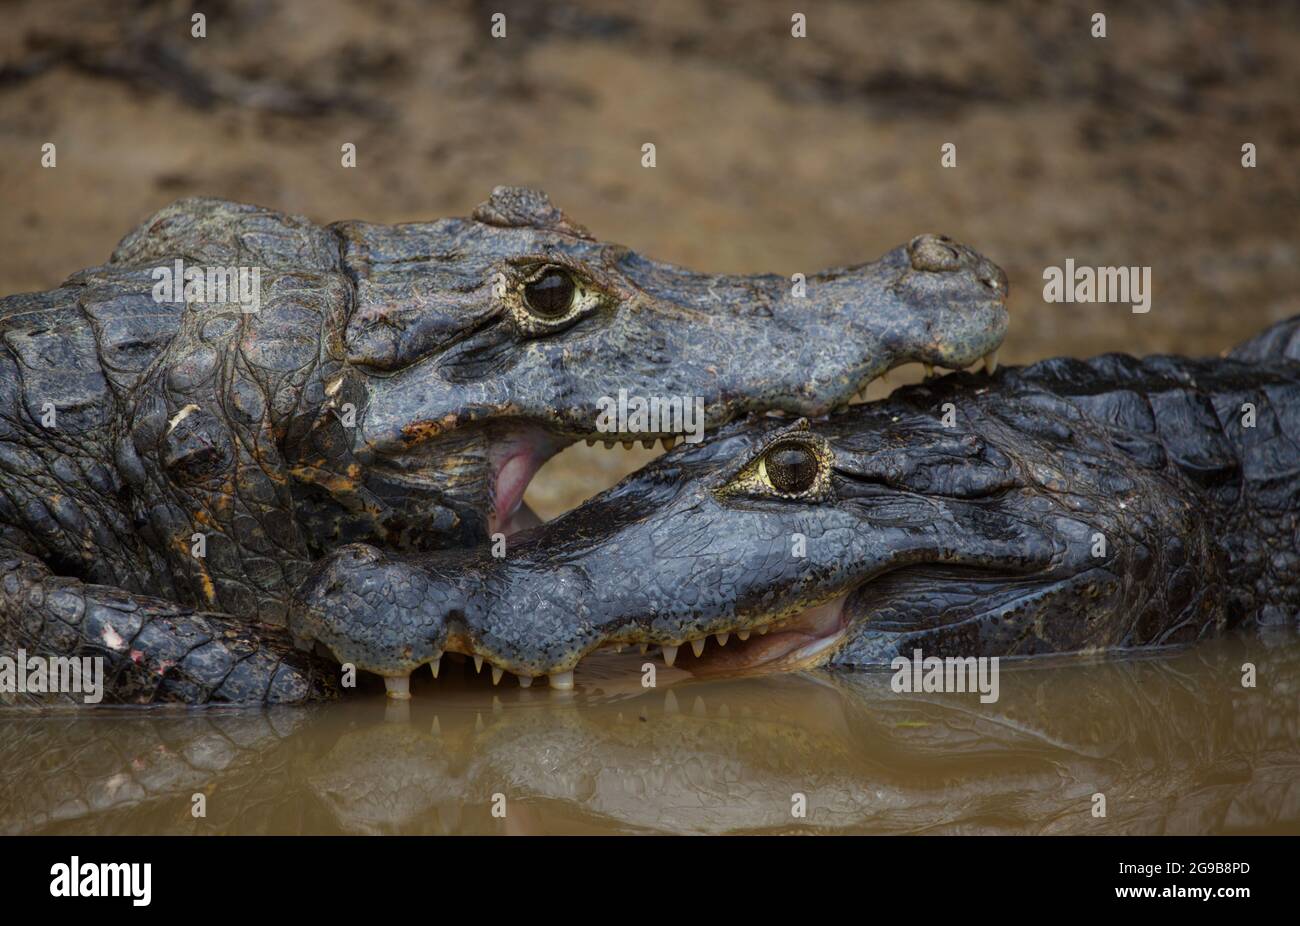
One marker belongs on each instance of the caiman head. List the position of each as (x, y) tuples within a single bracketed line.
[(478, 348), (969, 516)]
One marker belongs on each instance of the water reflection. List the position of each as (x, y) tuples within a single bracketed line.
[(1175, 743)]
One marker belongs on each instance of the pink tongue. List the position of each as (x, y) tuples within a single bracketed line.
[(512, 481)]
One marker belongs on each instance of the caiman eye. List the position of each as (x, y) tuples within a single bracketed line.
[(790, 467), (795, 466), (550, 296)]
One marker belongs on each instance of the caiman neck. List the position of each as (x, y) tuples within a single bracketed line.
[(1235, 434)]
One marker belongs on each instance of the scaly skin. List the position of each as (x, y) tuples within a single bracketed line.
[(1070, 506), (397, 386)]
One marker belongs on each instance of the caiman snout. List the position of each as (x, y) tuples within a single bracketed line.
[(525, 335), (375, 612), (940, 254), (932, 301), (390, 615)]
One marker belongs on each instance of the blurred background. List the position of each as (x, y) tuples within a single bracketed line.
[(775, 154)]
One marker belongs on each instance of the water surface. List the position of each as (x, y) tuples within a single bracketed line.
[(1174, 742)]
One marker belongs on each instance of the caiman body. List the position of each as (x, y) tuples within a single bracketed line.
[(1069, 506), (170, 470)]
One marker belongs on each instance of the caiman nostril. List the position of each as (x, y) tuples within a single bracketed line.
[(933, 254), (992, 276)]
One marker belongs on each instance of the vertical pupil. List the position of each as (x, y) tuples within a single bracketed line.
[(550, 294), (792, 468)]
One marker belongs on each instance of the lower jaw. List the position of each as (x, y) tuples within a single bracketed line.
[(802, 641)]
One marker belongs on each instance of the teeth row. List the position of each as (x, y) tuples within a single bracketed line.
[(697, 645), (399, 686), (646, 442), (989, 361), (862, 392)]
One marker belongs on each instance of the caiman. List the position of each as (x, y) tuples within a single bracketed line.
[(174, 459), (1070, 506)]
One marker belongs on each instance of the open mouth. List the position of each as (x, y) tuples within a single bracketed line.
[(516, 456), (517, 453), (800, 641)]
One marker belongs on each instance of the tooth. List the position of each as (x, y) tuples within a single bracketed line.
[(697, 646), (478, 663), (399, 688), (496, 675), (591, 442), (991, 362), (618, 648), (743, 634), (627, 445), (669, 443), (670, 702), (562, 680), (644, 647), (929, 370), (436, 664), (648, 443), (525, 681), (722, 638), (609, 445), (670, 655)]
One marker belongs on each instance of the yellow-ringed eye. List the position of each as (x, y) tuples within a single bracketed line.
[(550, 296), (790, 467)]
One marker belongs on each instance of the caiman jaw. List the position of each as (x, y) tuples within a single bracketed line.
[(801, 641), (519, 393)]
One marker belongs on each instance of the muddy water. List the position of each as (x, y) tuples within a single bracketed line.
[(774, 156), (1174, 742)]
